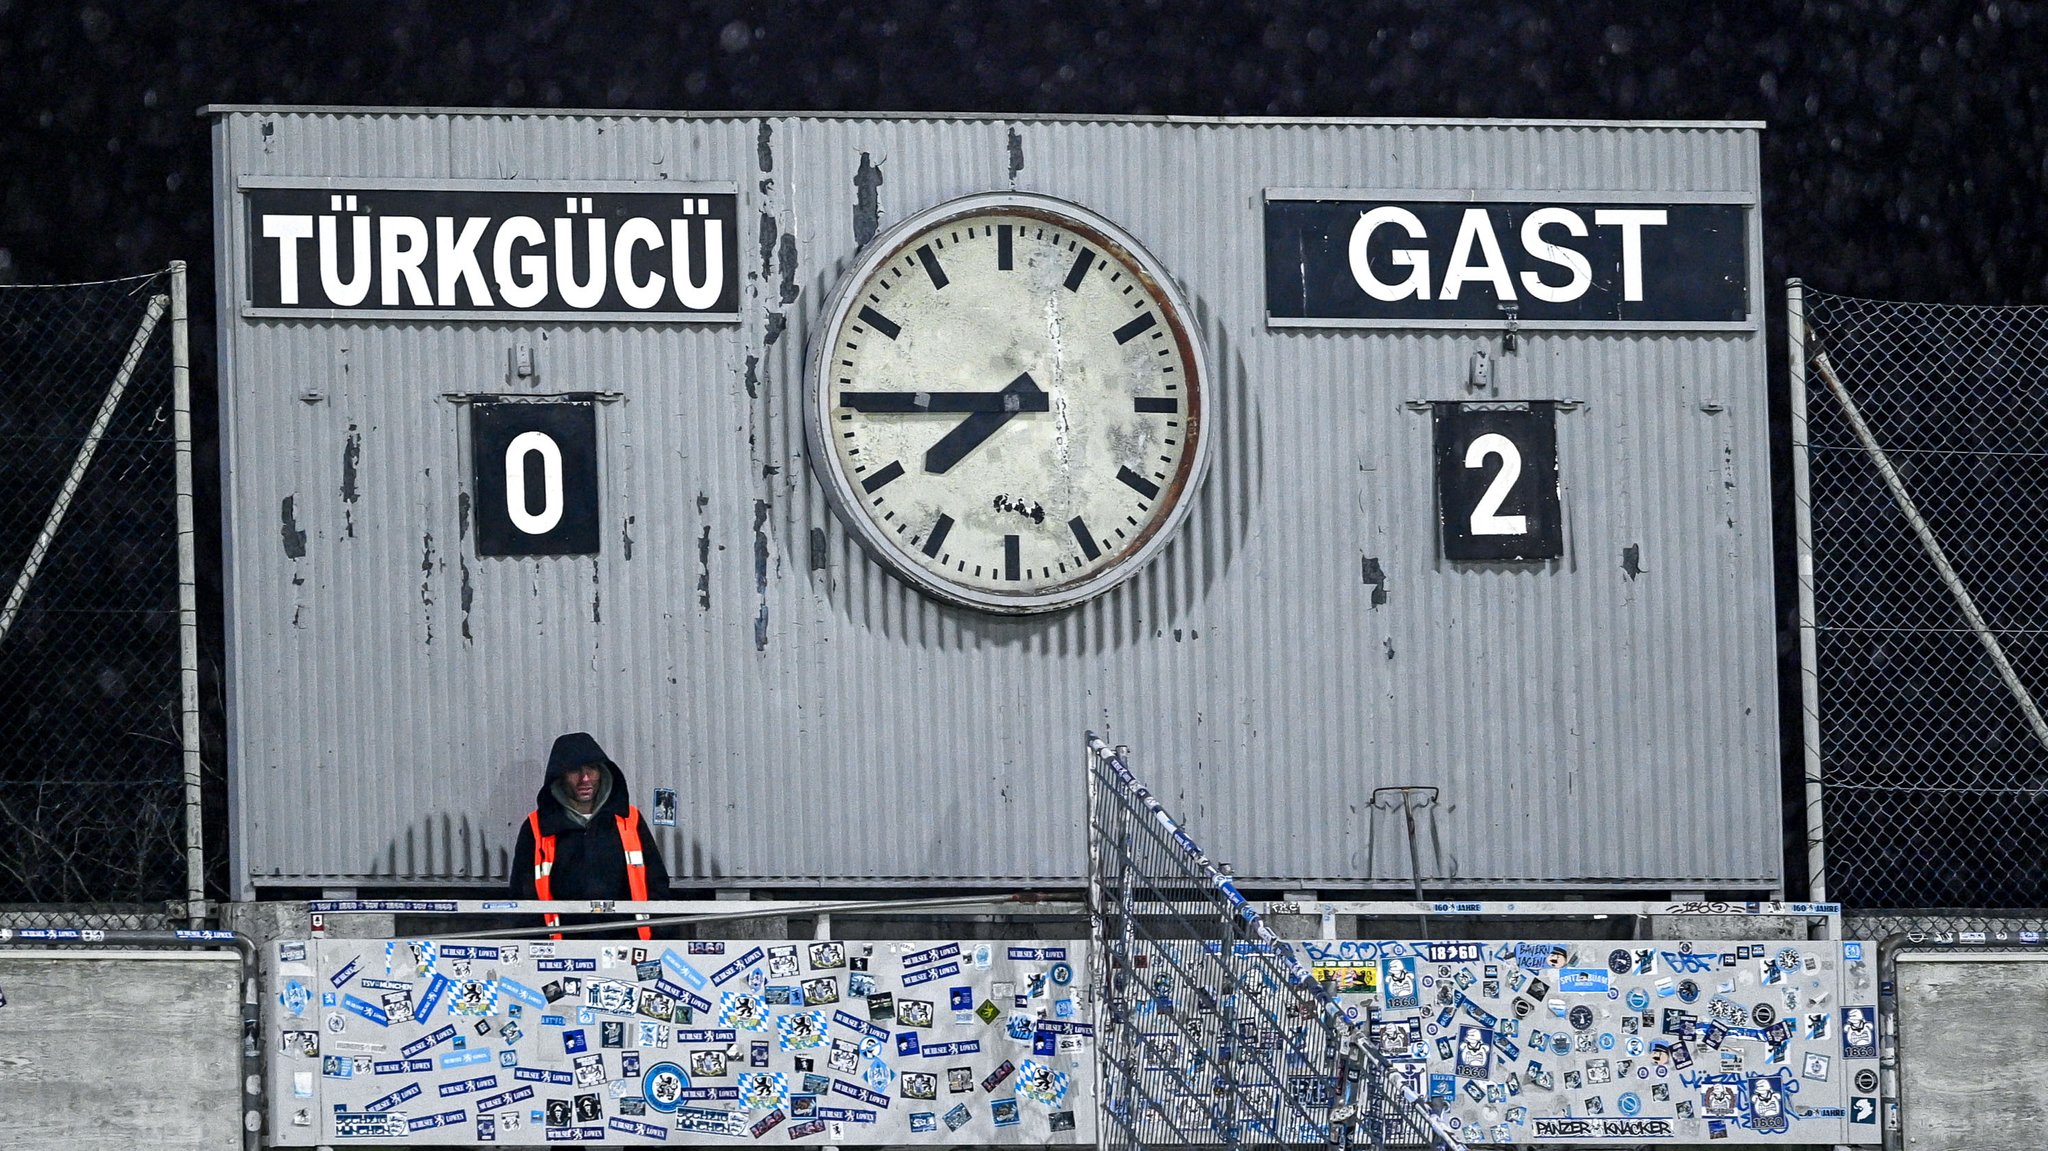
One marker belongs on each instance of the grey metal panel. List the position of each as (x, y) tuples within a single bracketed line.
[(1584, 725)]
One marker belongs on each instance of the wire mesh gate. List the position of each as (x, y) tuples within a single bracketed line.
[(1921, 450), (1209, 1029), (99, 790)]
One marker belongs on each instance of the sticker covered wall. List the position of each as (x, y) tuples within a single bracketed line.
[(679, 1041), (978, 1042), (1675, 1041)]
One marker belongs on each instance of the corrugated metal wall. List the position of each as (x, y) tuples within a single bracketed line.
[(1609, 718)]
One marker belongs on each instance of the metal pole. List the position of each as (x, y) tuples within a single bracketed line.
[(842, 907), (1809, 645), (1954, 582), (1098, 949), (80, 463), (188, 600)]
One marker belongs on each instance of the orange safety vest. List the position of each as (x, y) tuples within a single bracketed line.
[(636, 863)]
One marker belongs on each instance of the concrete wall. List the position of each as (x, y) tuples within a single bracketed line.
[(1973, 1055), (120, 1050)]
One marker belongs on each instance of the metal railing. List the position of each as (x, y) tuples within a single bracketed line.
[(1210, 1029)]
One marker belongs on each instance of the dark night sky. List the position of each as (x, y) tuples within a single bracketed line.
[(1906, 154)]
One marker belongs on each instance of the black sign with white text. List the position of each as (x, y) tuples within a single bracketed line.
[(666, 255), (533, 469), (1496, 476), (1393, 262)]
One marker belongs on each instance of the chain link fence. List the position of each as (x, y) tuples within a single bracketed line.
[(96, 706), (1925, 447)]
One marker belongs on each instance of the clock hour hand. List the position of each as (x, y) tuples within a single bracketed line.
[(1007, 400), (955, 445)]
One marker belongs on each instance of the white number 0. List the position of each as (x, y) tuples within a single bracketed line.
[(550, 479), (1485, 521)]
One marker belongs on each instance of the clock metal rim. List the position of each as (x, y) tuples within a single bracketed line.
[(838, 485)]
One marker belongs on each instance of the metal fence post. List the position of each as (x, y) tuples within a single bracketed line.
[(1809, 678), (188, 600)]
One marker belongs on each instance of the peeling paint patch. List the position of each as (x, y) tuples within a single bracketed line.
[(1389, 644), (1632, 560), (596, 593), (468, 597), (761, 573), (867, 201), (1016, 154), (768, 230), (427, 582), (704, 568), (817, 549), (777, 323), (462, 516), (1375, 577), (765, 154), (785, 261), (626, 537), (288, 526), (351, 457), (753, 377)]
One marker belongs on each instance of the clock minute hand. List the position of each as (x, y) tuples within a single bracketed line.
[(1006, 400), (966, 437)]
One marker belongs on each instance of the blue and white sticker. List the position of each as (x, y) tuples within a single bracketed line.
[(663, 1087)]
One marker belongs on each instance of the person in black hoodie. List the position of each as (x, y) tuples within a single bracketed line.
[(584, 839)]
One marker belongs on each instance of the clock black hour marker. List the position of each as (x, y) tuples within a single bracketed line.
[(931, 266), (1003, 247), (1082, 537), (1079, 271), (879, 480), (1010, 559), (1166, 404), (1138, 483), (938, 536), (1135, 328), (879, 322)]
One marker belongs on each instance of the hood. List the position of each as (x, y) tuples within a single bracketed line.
[(572, 751)]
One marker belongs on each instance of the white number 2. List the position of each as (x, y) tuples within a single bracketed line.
[(1485, 518)]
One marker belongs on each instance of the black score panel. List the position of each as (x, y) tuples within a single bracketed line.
[(1384, 262), (1496, 481), (533, 468), (598, 253)]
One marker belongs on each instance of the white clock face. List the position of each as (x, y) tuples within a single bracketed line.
[(1007, 403)]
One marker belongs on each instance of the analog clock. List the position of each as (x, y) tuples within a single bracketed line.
[(1007, 405)]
